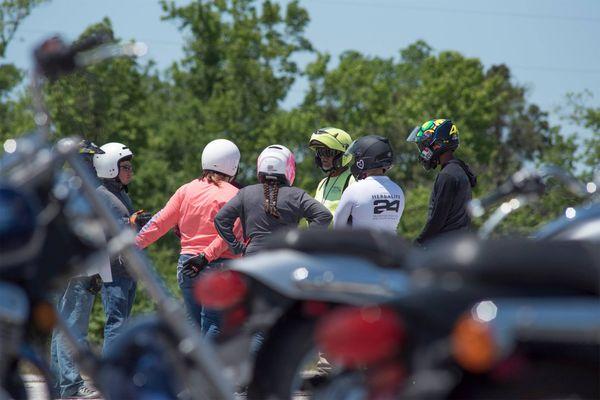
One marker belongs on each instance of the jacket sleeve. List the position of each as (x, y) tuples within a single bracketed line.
[(228, 228), (317, 215), (109, 199), (441, 201), (161, 222), (343, 210)]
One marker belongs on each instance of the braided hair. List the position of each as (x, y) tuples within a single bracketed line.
[(271, 191)]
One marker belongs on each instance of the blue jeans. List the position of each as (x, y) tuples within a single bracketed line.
[(75, 306), (208, 320), (117, 298)]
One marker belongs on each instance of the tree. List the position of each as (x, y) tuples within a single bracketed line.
[(371, 95), (238, 67), (587, 117), (12, 13)]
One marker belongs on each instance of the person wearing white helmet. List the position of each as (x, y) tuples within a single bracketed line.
[(75, 306), (115, 172), (192, 208), (270, 205)]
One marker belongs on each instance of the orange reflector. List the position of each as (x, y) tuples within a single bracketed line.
[(220, 290), (473, 345), (360, 336)]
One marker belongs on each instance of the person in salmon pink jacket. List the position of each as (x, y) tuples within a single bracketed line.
[(193, 208)]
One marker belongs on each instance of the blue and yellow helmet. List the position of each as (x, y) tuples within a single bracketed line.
[(434, 138)]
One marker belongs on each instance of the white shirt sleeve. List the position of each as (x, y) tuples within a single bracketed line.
[(343, 210)]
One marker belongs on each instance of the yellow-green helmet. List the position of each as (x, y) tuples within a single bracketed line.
[(334, 139)]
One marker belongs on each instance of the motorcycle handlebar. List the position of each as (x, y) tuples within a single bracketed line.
[(528, 182), (54, 57)]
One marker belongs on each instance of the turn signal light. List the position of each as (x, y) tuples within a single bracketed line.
[(360, 336), (220, 290), (473, 345)]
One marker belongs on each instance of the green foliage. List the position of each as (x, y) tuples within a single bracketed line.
[(14, 118), (589, 118), (238, 68), (12, 12)]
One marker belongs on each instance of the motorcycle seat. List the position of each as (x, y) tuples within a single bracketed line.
[(565, 265), (383, 249)]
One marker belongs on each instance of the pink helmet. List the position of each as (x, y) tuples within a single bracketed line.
[(278, 161)]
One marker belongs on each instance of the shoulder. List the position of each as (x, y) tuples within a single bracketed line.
[(251, 188), (447, 176), (355, 188), (226, 191), (296, 193), (187, 186), (394, 186), (293, 190), (103, 191)]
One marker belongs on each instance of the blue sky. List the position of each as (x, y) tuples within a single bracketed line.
[(550, 45)]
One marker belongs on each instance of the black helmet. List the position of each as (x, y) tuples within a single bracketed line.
[(434, 138), (370, 152)]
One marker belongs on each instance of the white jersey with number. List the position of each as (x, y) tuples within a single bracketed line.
[(375, 202)]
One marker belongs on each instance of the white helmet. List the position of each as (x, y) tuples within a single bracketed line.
[(277, 160), (107, 164), (222, 156)]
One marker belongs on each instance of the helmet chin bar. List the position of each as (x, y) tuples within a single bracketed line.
[(336, 163), (429, 159), (429, 164)]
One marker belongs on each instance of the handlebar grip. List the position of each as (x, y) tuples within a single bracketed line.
[(503, 190), (89, 43), (54, 57)]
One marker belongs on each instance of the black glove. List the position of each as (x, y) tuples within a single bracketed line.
[(95, 284), (139, 218), (193, 266)]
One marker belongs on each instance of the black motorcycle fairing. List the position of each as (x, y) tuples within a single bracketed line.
[(569, 265)]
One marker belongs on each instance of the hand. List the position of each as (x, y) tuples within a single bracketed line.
[(193, 266), (139, 218), (95, 284)]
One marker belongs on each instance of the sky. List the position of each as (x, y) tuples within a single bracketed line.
[(551, 46)]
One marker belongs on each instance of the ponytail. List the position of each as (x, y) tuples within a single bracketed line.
[(271, 191), (214, 177)]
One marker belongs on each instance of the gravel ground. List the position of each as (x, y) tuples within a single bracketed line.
[(36, 389)]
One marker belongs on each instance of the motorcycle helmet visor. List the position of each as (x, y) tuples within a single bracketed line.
[(326, 152), (413, 135)]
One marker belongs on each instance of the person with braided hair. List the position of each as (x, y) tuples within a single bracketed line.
[(270, 205)]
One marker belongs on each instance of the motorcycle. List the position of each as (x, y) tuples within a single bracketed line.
[(54, 226), (278, 295), (307, 274), (483, 319)]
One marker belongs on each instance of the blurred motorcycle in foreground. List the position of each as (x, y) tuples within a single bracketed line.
[(53, 226)]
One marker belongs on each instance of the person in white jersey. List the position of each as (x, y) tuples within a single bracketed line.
[(375, 201)]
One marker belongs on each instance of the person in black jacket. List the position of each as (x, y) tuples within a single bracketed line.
[(437, 139)]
